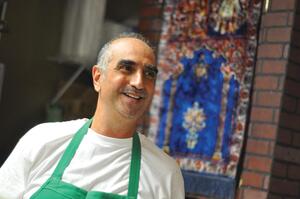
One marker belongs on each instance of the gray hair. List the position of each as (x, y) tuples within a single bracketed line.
[(105, 52)]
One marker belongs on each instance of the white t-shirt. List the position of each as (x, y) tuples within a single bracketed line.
[(100, 164)]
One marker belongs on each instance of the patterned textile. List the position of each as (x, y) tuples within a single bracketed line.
[(206, 54)]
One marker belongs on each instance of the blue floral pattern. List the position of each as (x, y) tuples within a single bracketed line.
[(206, 59)]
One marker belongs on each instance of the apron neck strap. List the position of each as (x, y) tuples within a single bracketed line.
[(135, 164), (71, 150)]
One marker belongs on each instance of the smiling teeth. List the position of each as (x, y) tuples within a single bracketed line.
[(133, 96)]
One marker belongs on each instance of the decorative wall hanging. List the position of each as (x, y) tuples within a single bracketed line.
[(199, 113)]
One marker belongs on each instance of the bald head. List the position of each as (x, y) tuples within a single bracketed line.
[(106, 51)]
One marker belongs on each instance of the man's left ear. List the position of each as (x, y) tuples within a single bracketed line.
[(96, 73)]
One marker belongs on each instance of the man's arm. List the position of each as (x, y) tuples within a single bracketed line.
[(14, 172), (177, 189)]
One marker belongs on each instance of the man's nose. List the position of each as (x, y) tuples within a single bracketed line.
[(137, 80)]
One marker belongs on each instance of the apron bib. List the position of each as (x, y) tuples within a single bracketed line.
[(55, 188)]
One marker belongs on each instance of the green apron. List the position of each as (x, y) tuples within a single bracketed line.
[(55, 188)]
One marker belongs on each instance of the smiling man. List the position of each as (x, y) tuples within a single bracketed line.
[(103, 157)]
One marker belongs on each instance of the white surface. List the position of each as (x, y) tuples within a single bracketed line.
[(82, 30)]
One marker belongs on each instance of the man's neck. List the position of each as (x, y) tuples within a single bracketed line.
[(116, 127)]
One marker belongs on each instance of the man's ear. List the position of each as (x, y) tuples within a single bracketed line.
[(96, 73)]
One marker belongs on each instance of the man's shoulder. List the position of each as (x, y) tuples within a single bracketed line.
[(51, 128), (50, 131), (161, 170), (157, 157)]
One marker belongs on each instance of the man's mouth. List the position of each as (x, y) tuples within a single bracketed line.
[(137, 94), (134, 96)]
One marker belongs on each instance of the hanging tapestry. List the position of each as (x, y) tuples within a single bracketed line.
[(206, 55)]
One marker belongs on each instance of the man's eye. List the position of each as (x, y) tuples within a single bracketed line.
[(151, 74), (126, 67)]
